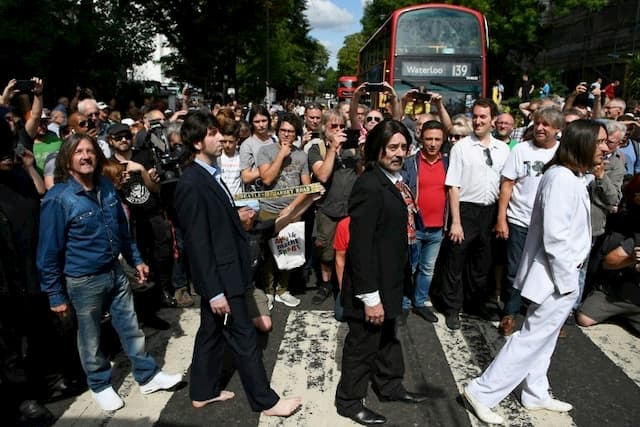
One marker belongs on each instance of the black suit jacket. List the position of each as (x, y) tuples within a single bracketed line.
[(214, 240), (377, 256)]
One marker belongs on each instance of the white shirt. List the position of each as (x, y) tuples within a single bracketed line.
[(524, 166), (230, 172), (471, 169)]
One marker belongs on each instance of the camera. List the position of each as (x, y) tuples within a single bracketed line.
[(374, 87), (24, 86), (92, 124), (167, 157), (353, 135), (421, 97)]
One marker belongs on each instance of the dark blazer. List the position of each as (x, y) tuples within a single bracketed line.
[(377, 257), (214, 240)]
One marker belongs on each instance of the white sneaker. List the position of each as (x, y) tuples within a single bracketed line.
[(161, 381), (288, 299), (270, 302), (484, 413), (554, 405), (108, 399)]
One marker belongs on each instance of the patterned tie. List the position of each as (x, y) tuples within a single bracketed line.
[(405, 191)]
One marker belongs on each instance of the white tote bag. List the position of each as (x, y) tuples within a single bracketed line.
[(288, 246)]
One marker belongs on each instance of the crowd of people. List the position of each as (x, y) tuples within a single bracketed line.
[(108, 216)]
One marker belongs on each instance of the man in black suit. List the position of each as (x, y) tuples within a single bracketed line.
[(377, 271), (217, 246)]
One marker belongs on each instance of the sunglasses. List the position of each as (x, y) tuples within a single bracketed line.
[(456, 136), (489, 160), (125, 136), (336, 126), (376, 118), (83, 123)]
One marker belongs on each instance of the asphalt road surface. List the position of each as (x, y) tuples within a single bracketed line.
[(595, 369)]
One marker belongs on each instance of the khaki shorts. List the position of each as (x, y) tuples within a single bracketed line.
[(600, 307), (325, 233), (257, 303)]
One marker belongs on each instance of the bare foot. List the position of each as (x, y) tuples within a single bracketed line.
[(284, 407), (224, 395)]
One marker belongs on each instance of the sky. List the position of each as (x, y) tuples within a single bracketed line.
[(332, 20)]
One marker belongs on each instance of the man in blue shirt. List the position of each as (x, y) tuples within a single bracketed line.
[(83, 230)]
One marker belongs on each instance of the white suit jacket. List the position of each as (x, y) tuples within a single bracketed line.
[(559, 237)]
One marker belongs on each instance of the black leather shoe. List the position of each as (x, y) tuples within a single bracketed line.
[(406, 397), (426, 314), (366, 417), (321, 295), (32, 410), (168, 300), (452, 320)]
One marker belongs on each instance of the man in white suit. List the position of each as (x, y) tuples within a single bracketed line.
[(558, 242)]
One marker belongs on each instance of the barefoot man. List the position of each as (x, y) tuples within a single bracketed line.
[(216, 244)]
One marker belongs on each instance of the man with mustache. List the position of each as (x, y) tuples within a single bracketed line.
[(376, 273), (83, 230)]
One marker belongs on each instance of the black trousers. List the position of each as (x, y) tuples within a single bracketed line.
[(468, 263), (370, 352), (240, 335)]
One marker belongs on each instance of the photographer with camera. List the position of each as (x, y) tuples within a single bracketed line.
[(374, 116), (23, 131), (584, 96), (335, 162), (617, 261), (151, 229)]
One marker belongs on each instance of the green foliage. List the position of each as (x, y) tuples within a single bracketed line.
[(632, 78), (72, 43), (348, 54)]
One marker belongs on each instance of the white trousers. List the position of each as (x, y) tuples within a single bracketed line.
[(526, 355)]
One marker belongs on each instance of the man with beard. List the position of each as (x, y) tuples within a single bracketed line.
[(377, 270), (83, 230), (520, 178)]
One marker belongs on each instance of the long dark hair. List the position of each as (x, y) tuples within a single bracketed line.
[(577, 146), (379, 137), (65, 154)]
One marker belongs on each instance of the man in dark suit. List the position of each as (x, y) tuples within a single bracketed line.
[(218, 251), (377, 270)]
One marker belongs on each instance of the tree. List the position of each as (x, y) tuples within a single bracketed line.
[(348, 54)]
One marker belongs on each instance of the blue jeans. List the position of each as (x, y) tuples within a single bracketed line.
[(515, 247), (423, 264), (90, 297)]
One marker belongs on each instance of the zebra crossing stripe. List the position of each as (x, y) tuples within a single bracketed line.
[(619, 346), (307, 366), (468, 351), (84, 412)]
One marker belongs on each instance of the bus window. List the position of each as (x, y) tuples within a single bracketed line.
[(437, 31)]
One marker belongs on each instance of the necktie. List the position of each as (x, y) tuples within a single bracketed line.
[(411, 210)]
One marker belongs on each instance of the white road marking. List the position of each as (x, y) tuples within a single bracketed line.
[(619, 346), (468, 351), (307, 367), (139, 409)]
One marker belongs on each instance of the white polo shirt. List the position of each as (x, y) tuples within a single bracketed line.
[(474, 172)]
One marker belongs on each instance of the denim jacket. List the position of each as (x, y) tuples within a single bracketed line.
[(81, 234)]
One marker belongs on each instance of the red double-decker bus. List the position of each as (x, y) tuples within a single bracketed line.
[(346, 87), (434, 47)]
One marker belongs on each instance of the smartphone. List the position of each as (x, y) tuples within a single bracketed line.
[(374, 87), (24, 86), (315, 135), (91, 124), (422, 96), (353, 135)]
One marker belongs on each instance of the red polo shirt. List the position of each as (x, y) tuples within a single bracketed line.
[(432, 196)]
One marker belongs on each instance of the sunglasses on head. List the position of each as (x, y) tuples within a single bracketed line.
[(376, 118)]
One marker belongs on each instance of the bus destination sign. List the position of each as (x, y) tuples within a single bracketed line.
[(438, 69)]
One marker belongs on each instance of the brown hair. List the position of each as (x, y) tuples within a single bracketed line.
[(68, 147)]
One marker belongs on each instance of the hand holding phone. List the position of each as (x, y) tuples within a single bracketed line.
[(375, 87), (353, 135)]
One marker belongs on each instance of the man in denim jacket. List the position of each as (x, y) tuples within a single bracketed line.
[(83, 230)]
